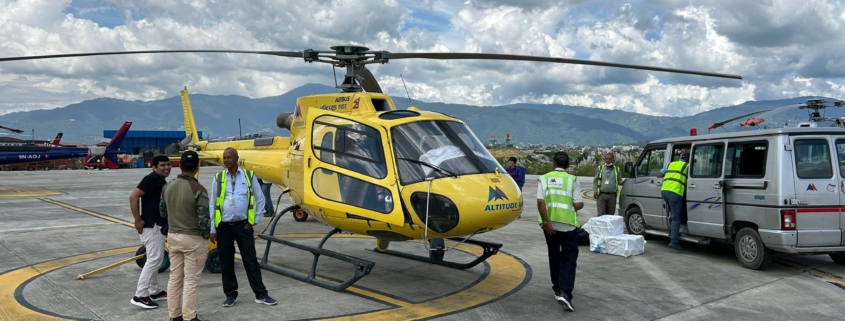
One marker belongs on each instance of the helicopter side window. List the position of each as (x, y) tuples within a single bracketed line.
[(341, 188), (357, 147), (326, 145)]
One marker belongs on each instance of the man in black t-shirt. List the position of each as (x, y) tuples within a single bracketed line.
[(148, 224)]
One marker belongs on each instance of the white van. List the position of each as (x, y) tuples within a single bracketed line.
[(764, 190)]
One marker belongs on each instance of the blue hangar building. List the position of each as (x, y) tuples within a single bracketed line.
[(139, 142)]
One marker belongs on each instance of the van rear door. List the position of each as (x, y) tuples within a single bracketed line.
[(705, 186), (840, 161), (816, 190)]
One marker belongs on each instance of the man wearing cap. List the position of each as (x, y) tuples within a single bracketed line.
[(558, 199), (184, 203), (673, 188), (236, 196)]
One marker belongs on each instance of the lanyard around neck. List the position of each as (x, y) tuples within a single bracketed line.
[(234, 179)]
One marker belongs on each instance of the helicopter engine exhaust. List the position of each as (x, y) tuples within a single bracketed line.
[(284, 120)]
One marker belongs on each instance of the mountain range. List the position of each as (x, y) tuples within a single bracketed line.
[(218, 115)]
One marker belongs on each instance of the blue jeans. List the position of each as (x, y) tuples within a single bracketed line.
[(676, 206), (268, 203), (563, 257)]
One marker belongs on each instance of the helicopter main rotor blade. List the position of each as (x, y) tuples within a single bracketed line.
[(369, 83), (722, 123), (486, 56), (778, 110), (294, 54)]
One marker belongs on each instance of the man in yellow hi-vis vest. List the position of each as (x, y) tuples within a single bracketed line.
[(672, 190), (235, 194), (606, 186), (558, 199)]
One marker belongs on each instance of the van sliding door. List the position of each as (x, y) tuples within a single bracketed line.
[(705, 186)]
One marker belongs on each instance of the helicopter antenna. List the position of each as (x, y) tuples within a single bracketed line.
[(406, 90)]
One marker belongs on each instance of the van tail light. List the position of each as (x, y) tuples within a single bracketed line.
[(787, 220)]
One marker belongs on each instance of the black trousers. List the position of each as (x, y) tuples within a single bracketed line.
[(563, 256), (227, 235)]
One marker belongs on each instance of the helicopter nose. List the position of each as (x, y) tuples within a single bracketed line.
[(468, 204), (284, 120)]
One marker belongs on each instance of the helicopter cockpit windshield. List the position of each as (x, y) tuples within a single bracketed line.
[(439, 149)]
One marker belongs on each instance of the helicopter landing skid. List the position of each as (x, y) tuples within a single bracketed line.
[(490, 249), (362, 267)]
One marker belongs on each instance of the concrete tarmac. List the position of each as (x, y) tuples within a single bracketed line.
[(55, 225)]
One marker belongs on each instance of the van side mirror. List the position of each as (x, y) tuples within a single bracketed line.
[(629, 168)]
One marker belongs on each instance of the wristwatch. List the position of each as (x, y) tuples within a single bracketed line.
[(545, 223)]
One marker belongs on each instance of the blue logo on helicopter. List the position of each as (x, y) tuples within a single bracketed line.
[(496, 194)]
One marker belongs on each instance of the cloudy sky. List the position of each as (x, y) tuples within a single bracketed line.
[(782, 48)]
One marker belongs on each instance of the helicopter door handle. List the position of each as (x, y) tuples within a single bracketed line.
[(691, 185), (309, 162)]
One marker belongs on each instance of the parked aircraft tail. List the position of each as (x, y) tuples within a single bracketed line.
[(113, 148), (57, 142)]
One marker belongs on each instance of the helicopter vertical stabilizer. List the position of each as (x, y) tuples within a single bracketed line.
[(190, 126)]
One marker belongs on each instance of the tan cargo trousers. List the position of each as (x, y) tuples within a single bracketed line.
[(187, 259)]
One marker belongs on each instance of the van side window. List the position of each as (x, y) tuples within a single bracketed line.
[(840, 153), (812, 158), (651, 162), (746, 159), (707, 160)]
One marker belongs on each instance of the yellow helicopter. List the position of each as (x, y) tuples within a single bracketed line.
[(356, 163)]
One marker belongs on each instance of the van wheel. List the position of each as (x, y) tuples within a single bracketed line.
[(634, 222), (838, 257), (750, 250)]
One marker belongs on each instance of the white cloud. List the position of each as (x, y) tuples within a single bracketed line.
[(783, 49)]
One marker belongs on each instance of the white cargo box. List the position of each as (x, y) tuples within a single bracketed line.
[(605, 225), (597, 244), (624, 245)]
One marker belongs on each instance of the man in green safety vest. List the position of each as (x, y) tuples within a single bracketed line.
[(558, 199), (673, 188), (606, 184), (235, 194)]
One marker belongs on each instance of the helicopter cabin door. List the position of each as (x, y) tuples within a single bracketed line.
[(346, 171)]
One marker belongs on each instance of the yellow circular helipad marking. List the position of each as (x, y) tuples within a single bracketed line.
[(12, 309), (507, 274), (25, 191)]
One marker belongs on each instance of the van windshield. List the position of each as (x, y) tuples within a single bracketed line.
[(439, 149)]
